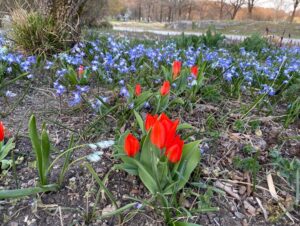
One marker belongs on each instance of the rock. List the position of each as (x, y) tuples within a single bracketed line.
[(242, 190), (239, 215)]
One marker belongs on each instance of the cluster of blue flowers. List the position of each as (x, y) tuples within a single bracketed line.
[(115, 61)]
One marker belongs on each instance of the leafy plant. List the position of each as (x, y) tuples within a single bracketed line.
[(5, 148), (42, 147), (289, 169), (35, 33), (164, 163), (249, 164), (293, 112), (4, 151), (212, 38), (255, 43)]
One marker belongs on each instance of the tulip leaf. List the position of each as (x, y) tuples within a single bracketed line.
[(146, 157), (17, 193), (45, 147), (36, 144), (4, 150), (129, 168), (184, 126), (189, 161), (139, 121), (163, 172), (145, 176)]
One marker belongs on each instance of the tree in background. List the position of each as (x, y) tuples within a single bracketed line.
[(235, 7), (295, 6), (222, 5), (251, 4)]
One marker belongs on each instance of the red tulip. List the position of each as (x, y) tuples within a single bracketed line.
[(174, 151), (165, 89), (194, 71), (138, 89), (80, 70), (158, 135), (150, 120), (131, 145), (164, 119), (163, 131), (2, 129), (176, 68), (171, 133)]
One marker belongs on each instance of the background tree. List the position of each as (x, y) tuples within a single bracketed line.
[(250, 7), (295, 6), (235, 7)]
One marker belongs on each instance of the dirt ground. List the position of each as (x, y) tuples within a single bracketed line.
[(73, 203)]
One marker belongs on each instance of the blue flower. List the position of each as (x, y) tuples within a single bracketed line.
[(124, 92), (76, 99)]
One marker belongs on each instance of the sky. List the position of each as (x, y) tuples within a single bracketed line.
[(286, 5)]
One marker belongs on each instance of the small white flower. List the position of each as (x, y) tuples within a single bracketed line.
[(105, 144), (10, 94), (194, 82), (95, 157)]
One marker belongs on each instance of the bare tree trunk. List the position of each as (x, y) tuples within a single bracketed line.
[(140, 11), (250, 8), (161, 11), (190, 12), (221, 9), (296, 3), (170, 13)]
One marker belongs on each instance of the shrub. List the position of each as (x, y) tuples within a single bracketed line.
[(212, 38), (35, 33), (103, 24), (255, 43)]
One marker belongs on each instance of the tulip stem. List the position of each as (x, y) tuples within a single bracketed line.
[(158, 104)]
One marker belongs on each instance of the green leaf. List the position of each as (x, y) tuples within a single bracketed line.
[(163, 171), (129, 168), (189, 161), (141, 99), (177, 101), (35, 140), (66, 161), (4, 150), (184, 126), (101, 185), (45, 145), (140, 121), (5, 164), (7, 194), (166, 72), (149, 155), (145, 177)]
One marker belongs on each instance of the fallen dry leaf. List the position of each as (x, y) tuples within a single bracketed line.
[(271, 186)]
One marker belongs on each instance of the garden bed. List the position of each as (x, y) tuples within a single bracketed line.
[(246, 175)]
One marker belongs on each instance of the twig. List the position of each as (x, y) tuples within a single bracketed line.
[(60, 217), (227, 189)]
